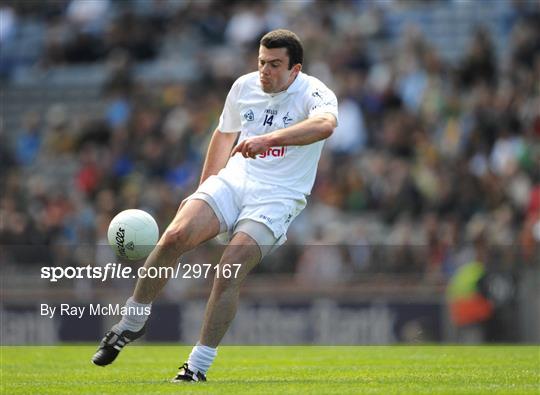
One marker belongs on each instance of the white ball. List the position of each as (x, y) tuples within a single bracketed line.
[(133, 234)]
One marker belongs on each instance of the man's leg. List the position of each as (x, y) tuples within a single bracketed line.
[(222, 304), (194, 223), (223, 301)]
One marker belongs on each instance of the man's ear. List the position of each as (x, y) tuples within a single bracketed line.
[(297, 68)]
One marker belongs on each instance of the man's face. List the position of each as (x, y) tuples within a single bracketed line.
[(273, 69)]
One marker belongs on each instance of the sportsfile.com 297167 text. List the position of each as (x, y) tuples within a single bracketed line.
[(112, 271)]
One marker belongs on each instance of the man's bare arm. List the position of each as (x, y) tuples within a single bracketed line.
[(306, 132), (219, 152)]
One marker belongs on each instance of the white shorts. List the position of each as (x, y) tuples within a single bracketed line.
[(243, 205)]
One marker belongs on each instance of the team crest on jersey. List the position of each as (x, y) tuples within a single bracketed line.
[(287, 120), (249, 116), (317, 94)]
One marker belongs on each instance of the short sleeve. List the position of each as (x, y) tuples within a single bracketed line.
[(229, 121), (322, 100)]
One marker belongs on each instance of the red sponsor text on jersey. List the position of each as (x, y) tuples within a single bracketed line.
[(275, 152)]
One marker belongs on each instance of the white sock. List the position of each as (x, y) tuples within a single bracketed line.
[(135, 317), (201, 358)]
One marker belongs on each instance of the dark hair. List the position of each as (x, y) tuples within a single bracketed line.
[(282, 38)]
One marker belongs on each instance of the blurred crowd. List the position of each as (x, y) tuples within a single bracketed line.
[(431, 154)]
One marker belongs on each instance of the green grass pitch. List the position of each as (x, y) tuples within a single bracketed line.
[(145, 369)]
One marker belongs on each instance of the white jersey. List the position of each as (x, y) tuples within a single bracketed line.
[(252, 112)]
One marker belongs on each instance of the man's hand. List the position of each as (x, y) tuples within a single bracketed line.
[(253, 146)]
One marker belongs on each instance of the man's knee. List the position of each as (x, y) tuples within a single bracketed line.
[(176, 237), (242, 249), (234, 267)]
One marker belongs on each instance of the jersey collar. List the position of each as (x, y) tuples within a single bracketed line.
[(296, 84)]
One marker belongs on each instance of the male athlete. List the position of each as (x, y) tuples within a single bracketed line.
[(253, 191)]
